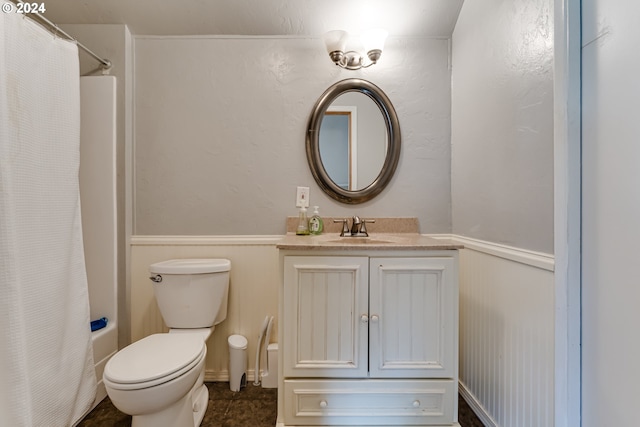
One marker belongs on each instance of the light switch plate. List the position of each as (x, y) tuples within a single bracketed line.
[(302, 197)]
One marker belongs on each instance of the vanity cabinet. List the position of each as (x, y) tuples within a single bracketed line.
[(370, 340)]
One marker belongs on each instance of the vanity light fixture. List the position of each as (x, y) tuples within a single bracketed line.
[(373, 41)]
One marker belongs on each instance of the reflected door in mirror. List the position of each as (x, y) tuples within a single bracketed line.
[(338, 145), (353, 141)]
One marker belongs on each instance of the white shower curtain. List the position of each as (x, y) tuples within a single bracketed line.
[(47, 375)]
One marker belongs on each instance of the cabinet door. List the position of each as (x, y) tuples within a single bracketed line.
[(413, 317), (325, 316)]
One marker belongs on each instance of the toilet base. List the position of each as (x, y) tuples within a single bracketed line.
[(200, 401), (178, 414), (186, 412)]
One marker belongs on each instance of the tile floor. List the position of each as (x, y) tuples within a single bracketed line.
[(251, 407)]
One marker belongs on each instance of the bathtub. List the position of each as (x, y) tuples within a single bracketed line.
[(105, 345)]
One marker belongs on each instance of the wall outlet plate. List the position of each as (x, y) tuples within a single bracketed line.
[(302, 197)]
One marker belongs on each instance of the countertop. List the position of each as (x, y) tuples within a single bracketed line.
[(375, 241)]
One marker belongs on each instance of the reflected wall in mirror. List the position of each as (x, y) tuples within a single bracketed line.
[(353, 141)]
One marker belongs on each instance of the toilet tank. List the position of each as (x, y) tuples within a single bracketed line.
[(191, 293)]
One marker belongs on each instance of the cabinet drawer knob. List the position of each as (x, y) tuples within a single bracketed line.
[(364, 318), (374, 318), (416, 403), (323, 403)]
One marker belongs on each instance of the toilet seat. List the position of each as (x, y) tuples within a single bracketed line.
[(154, 360)]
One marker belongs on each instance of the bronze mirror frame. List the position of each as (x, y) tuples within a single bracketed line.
[(393, 141)]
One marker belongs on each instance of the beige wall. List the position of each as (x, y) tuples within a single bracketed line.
[(502, 123), (219, 150), (220, 127), (502, 203), (253, 289)]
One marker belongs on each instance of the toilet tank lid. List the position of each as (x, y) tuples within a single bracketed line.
[(190, 266)]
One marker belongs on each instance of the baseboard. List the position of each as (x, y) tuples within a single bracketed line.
[(475, 406), (223, 376)]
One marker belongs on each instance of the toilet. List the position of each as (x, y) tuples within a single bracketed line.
[(159, 380)]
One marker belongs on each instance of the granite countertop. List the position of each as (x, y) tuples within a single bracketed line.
[(375, 241), (384, 233)]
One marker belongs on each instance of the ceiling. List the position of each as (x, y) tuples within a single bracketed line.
[(420, 18)]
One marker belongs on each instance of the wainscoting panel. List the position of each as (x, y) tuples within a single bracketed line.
[(507, 335), (253, 289), (506, 316)]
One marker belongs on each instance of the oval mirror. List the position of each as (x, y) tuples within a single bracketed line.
[(353, 141)]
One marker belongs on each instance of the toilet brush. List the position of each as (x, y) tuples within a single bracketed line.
[(263, 331)]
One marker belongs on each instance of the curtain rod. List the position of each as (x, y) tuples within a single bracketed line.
[(104, 63)]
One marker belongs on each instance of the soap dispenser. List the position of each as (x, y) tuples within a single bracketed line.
[(303, 223), (315, 222)]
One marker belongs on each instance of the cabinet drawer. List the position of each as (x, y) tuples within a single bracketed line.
[(369, 402)]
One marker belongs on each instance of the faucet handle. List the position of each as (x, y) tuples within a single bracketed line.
[(345, 226), (363, 227)]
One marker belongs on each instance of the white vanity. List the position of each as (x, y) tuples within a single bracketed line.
[(368, 331)]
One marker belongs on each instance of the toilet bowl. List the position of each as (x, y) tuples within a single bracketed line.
[(151, 379), (159, 380)]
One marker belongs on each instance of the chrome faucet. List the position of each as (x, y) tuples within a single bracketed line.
[(355, 225), (358, 227)]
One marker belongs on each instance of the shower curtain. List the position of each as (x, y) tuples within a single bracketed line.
[(47, 375)]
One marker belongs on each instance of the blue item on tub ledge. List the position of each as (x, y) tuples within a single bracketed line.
[(98, 324)]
